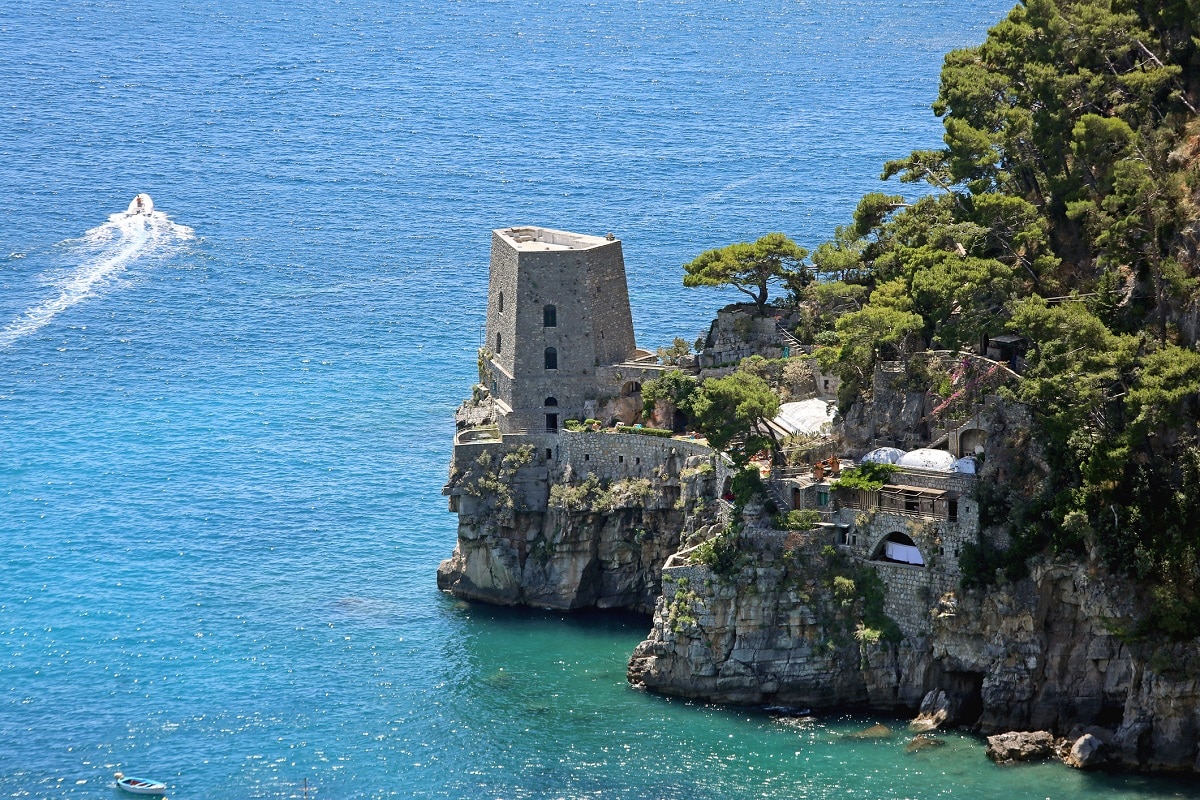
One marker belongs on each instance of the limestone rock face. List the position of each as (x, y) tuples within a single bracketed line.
[(1037, 655), (746, 648), (772, 634), (935, 711), (1004, 748), (1086, 752), (532, 532), (564, 559)]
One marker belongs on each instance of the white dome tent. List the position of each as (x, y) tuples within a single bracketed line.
[(884, 455), (925, 458)]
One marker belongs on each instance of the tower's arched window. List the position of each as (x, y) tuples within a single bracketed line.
[(549, 317), (551, 358), (497, 341), (551, 401), (500, 302)]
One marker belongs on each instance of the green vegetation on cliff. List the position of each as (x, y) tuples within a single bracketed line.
[(1065, 208), (1064, 211)]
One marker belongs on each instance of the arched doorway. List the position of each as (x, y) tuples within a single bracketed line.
[(972, 442)]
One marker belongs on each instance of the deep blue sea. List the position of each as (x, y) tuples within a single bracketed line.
[(224, 427)]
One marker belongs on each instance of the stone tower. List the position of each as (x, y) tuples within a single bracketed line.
[(558, 308)]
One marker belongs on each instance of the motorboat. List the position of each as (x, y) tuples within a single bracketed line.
[(140, 204), (139, 785)]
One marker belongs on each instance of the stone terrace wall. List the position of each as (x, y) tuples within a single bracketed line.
[(615, 456), (934, 479)]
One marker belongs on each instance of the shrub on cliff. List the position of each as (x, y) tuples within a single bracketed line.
[(798, 520), (660, 432), (721, 554), (867, 476)]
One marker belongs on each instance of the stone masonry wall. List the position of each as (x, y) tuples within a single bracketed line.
[(608, 300), (614, 456), (913, 591), (593, 325)]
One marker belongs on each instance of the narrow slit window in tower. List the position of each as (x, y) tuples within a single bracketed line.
[(549, 317), (551, 358)]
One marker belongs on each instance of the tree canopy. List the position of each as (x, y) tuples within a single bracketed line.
[(751, 268), (1064, 206), (730, 412)]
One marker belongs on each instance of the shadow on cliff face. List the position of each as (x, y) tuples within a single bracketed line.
[(601, 621), (966, 692)]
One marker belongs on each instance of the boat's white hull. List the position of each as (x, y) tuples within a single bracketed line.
[(140, 785)]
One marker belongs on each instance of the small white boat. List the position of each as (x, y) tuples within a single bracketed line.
[(140, 204), (140, 785)]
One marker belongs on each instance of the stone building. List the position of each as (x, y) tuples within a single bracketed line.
[(559, 329)]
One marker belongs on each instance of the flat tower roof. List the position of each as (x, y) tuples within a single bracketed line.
[(532, 238)]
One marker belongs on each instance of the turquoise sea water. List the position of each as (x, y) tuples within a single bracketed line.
[(223, 432)]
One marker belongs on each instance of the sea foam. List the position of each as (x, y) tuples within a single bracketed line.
[(95, 261)]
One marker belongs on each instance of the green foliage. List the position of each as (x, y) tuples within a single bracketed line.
[(483, 361), (960, 298), (867, 476), (768, 369), (729, 412), (721, 554), (862, 337), (1069, 171), (750, 267), (673, 385), (672, 355), (798, 520), (660, 432), (1167, 391), (835, 297), (591, 494), (485, 478), (839, 260), (681, 613), (574, 425), (870, 588), (746, 485), (853, 583), (982, 564)]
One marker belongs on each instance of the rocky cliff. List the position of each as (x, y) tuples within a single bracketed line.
[(792, 626), (541, 532)]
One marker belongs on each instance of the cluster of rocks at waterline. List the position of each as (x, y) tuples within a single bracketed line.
[(791, 625), (1086, 750)]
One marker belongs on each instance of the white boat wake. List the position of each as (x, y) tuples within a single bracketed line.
[(99, 257)]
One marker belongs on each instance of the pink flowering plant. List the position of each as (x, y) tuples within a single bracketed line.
[(970, 379)]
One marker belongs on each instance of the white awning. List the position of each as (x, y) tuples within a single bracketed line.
[(965, 465), (808, 417)]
